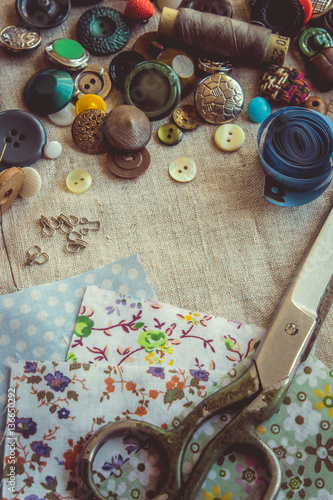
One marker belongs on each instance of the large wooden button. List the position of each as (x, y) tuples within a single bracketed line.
[(11, 181), (127, 128)]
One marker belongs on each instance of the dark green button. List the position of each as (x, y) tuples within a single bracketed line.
[(102, 30), (153, 87), (48, 91), (170, 134)]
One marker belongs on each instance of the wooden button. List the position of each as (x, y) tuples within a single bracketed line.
[(316, 104), (128, 165), (11, 181), (127, 128)]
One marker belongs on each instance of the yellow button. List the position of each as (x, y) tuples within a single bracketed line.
[(78, 181), (170, 134), (183, 169), (229, 137), (89, 101)]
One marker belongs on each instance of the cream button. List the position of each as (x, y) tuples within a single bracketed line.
[(65, 116), (31, 184), (183, 169), (79, 181), (229, 137)]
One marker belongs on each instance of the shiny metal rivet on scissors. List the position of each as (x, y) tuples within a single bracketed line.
[(260, 390), (37, 256)]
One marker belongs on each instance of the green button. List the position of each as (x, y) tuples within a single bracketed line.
[(67, 48), (170, 134)]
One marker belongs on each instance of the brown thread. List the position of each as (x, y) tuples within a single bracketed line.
[(231, 38)]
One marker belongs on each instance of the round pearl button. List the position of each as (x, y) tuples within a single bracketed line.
[(170, 134), (65, 116), (79, 181), (183, 169), (53, 150), (229, 137)]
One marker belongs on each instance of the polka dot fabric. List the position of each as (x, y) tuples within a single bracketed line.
[(37, 323)]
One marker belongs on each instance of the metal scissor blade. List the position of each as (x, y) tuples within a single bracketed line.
[(291, 329)]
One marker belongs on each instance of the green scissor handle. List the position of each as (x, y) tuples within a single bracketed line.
[(172, 444)]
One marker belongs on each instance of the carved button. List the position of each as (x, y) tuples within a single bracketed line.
[(87, 132), (127, 128)]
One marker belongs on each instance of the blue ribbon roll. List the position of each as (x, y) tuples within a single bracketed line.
[(296, 155)]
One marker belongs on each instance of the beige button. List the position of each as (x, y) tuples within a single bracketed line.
[(183, 169), (229, 137)]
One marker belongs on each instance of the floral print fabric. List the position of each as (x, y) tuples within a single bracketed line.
[(117, 328), (59, 406)]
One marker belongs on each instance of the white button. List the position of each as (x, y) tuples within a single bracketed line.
[(65, 116), (31, 184), (52, 150), (229, 137), (183, 169)]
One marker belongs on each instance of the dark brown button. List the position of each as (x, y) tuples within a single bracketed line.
[(186, 117), (321, 69), (128, 165), (127, 128), (148, 45), (87, 133), (316, 104)]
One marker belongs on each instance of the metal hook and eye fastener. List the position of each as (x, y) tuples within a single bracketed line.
[(95, 223), (37, 256), (75, 242)]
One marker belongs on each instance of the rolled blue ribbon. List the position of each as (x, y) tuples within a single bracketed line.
[(296, 155)]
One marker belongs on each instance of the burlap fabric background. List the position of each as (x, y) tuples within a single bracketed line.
[(212, 245)]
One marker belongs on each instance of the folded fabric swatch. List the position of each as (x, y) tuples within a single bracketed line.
[(37, 323), (59, 405), (120, 329)]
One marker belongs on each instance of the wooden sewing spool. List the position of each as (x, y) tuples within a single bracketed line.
[(11, 181)]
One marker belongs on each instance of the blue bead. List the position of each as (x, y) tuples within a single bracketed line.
[(258, 109)]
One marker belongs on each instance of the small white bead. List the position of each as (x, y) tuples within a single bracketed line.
[(53, 150)]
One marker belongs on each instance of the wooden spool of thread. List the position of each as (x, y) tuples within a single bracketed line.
[(237, 40)]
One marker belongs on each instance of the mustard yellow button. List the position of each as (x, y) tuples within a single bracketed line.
[(183, 169), (89, 101), (78, 181), (229, 137)]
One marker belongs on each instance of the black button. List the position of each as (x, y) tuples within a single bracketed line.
[(23, 136), (219, 7), (43, 13), (121, 66)]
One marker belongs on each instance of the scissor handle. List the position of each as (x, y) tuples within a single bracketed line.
[(241, 433)]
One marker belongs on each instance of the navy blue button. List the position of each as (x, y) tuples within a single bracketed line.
[(48, 91), (23, 136), (43, 13)]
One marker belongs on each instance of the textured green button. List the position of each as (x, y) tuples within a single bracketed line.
[(79, 181), (67, 48), (170, 134), (313, 40)]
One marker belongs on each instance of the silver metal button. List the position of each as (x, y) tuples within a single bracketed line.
[(18, 38), (92, 80)]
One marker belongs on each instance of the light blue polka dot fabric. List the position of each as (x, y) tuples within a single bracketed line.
[(37, 323)]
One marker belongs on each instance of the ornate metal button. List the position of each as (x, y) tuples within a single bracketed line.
[(186, 117), (128, 165), (92, 80), (68, 54), (219, 98), (18, 38), (209, 66), (87, 133)]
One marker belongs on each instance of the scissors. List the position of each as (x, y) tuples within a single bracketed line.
[(257, 394)]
